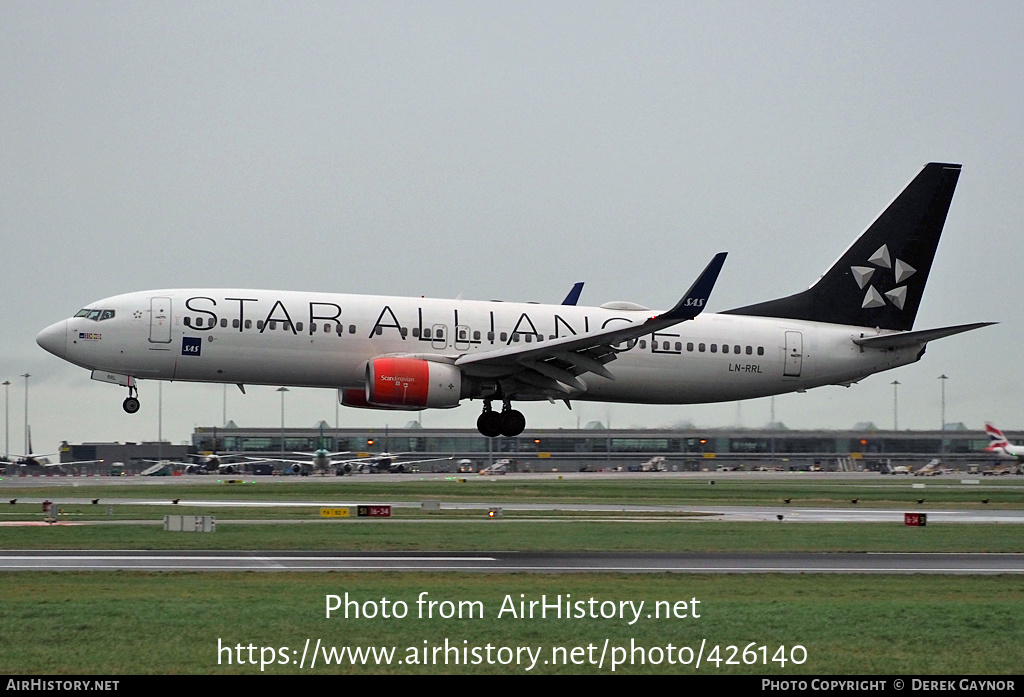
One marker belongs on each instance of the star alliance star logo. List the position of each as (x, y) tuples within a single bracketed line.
[(881, 260)]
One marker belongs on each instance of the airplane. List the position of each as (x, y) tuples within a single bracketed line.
[(397, 353), (999, 445), (206, 463), (320, 461), (32, 460), (386, 462)]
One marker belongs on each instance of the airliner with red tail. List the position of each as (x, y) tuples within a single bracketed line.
[(383, 352), (999, 445)]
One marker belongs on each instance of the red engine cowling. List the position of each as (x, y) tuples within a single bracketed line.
[(412, 383)]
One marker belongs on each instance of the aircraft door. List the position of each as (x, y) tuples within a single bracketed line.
[(794, 354), (461, 337), (160, 320), (439, 336)]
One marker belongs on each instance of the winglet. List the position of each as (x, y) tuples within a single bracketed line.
[(574, 295), (691, 304)]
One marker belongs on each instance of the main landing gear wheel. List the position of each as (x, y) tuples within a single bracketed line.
[(512, 422), (489, 423)]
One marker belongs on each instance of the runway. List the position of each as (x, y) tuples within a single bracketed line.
[(514, 562)]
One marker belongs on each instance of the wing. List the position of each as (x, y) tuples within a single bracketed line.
[(551, 368)]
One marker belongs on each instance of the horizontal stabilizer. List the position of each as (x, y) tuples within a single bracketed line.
[(905, 339)]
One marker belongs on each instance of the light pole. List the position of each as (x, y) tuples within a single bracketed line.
[(27, 437), (895, 405), (282, 390), (943, 429), (7, 418), (160, 421)]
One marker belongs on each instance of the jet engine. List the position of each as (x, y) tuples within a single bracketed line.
[(412, 383)]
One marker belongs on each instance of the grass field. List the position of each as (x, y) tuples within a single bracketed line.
[(526, 535), (142, 623)]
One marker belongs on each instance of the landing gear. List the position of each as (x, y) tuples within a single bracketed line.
[(508, 423), (131, 403), (489, 422)]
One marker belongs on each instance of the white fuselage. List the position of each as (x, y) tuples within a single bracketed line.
[(325, 340)]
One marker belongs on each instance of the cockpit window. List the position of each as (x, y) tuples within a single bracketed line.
[(95, 315)]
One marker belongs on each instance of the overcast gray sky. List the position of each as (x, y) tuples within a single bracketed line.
[(500, 150)]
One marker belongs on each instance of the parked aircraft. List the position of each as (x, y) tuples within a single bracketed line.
[(387, 462), (415, 353), (319, 461), (999, 445), (32, 460)]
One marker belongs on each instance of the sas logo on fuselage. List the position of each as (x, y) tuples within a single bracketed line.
[(191, 346)]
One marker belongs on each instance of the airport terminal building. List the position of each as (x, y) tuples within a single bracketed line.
[(599, 448), (572, 450)]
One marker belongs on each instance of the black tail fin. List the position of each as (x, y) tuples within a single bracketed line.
[(879, 280)]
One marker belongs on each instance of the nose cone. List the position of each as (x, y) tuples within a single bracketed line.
[(54, 338)]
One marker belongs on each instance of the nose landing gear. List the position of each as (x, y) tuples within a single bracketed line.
[(131, 403)]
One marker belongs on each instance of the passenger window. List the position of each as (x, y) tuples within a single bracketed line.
[(462, 335), (664, 346), (378, 330), (725, 348), (528, 337), (403, 331), (476, 336), (259, 324), (679, 346), (298, 327), (504, 337), (700, 347), (223, 323), (515, 338), (714, 348), (490, 336), (273, 325), (351, 329), (248, 324), (643, 344), (760, 350), (187, 321), (750, 350), (736, 349), (439, 334), (426, 332), (235, 324), (416, 332)]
